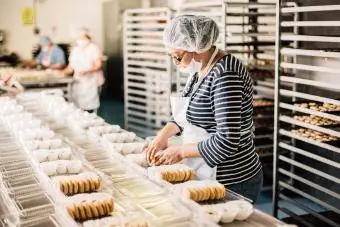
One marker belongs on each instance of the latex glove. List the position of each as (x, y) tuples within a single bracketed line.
[(157, 144), (169, 156)]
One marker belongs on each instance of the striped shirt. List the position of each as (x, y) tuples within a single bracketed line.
[(222, 105)]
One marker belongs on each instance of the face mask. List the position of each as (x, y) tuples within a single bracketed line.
[(82, 43), (45, 49), (192, 68)]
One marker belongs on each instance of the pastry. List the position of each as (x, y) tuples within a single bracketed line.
[(245, 209)]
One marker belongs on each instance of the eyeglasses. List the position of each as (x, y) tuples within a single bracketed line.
[(176, 59)]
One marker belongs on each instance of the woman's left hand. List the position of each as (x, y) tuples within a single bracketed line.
[(169, 156)]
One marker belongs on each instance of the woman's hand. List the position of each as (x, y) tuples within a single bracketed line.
[(157, 144), (169, 156)]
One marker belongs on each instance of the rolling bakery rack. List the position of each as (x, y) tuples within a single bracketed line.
[(147, 70), (307, 168), (250, 36)]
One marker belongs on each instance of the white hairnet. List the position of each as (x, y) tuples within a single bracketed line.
[(83, 31), (191, 33), (44, 40)]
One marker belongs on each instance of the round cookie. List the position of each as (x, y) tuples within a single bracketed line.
[(94, 210), (81, 186), (71, 211), (82, 211), (88, 211), (86, 185)]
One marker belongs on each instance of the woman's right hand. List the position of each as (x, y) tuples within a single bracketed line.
[(157, 144)]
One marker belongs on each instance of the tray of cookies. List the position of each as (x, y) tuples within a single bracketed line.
[(176, 173), (237, 210), (318, 121), (201, 191), (85, 182), (316, 135), (260, 103), (319, 106), (83, 207)]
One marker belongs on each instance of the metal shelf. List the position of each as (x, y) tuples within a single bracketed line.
[(309, 169), (147, 70)]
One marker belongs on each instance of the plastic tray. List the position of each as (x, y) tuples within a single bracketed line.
[(31, 206)]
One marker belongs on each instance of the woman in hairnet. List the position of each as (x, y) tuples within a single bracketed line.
[(86, 66), (214, 114)]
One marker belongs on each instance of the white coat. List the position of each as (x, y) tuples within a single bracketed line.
[(85, 93)]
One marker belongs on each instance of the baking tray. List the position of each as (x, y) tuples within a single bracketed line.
[(330, 126), (318, 103), (335, 143)]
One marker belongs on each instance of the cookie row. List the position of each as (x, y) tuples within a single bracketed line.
[(89, 206), (81, 183), (89, 210), (315, 135), (324, 107), (180, 175), (262, 103), (316, 120), (200, 194)]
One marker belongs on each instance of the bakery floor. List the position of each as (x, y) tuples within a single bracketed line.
[(113, 112)]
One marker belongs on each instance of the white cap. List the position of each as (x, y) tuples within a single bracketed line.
[(191, 33)]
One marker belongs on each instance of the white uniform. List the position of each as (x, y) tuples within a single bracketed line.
[(85, 88)]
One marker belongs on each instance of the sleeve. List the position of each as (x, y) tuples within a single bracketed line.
[(226, 94), (172, 120), (59, 56), (39, 57)]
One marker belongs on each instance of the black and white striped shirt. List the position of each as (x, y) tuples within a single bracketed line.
[(222, 105)]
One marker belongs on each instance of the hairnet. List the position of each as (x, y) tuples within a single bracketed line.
[(191, 33), (44, 40), (83, 31)]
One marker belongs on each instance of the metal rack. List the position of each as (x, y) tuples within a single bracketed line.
[(307, 169), (250, 36), (147, 70)]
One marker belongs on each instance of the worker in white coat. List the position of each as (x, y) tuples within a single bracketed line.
[(86, 66)]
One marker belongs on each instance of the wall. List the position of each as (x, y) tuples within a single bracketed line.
[(60, 14)]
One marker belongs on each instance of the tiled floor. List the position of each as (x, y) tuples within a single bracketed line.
[(113, 112)]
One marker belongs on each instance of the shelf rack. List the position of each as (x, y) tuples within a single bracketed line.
[(147, 70), (250, 36), (307, 171)]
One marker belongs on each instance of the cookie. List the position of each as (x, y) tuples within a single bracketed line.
[(75, 186), (76, 213), (70, 188), (88, 211), (87, 185), (94, 210), (82, 212), (92, 185), (71, 211), (100, 208), (81, 186)]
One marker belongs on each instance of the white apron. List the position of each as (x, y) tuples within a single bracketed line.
[(192, 133), (84, 93)]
